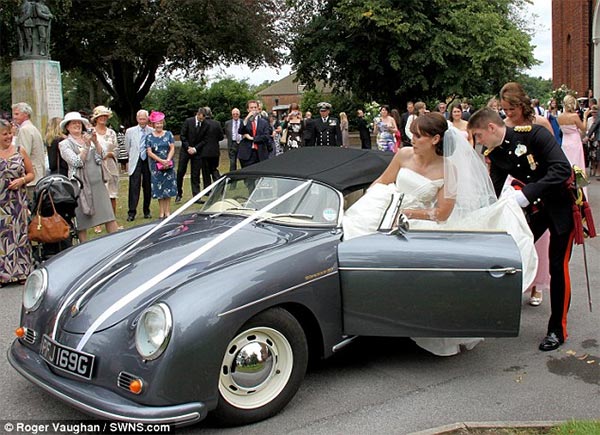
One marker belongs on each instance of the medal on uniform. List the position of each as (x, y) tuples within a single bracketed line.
[(520, 150), (531, 161)]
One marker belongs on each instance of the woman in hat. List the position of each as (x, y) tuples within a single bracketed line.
[(84, 154), (108, 140), (160, 146)]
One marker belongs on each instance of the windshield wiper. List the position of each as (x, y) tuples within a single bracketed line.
[(232, 209), (284, 215)]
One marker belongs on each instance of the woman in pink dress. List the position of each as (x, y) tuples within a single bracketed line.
[(572, 128), (517, 106)]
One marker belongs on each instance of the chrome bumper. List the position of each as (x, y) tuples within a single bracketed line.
[(95, 400)]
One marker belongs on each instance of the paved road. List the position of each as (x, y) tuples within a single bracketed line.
[(385, 386)]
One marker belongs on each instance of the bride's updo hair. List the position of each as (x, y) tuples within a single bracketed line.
[(430, 124)]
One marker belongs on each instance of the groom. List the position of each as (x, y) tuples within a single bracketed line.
[(532, 155)]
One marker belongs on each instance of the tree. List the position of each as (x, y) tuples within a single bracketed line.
[(395, 50), (123, 43)]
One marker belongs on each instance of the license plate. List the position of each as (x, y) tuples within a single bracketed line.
[(64, 358)]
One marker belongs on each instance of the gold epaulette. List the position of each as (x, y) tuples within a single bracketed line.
[(522, 128)]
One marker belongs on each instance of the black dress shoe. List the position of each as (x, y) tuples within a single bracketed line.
[(130, 218), (147, 216), (178, 198), (551, 342)]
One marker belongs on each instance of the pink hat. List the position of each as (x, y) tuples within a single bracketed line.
[(156, 116)]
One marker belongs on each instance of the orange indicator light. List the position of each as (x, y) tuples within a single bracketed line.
[(20, 332), (135, 386)]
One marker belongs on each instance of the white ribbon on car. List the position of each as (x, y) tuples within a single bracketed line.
[(182, 263), (92, 278)]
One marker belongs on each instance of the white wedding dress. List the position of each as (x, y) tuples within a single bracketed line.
[(364, 216)]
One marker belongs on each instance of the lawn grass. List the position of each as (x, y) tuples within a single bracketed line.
[(573, 427)]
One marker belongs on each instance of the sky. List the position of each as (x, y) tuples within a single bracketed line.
[(542, 39)]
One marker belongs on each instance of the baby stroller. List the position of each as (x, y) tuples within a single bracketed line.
[(64, 193)]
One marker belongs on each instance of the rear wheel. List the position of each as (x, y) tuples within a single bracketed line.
[(262, 368)]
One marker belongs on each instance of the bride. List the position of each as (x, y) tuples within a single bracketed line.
[(446, 186)]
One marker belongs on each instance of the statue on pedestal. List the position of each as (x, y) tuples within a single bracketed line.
[(34, 29)]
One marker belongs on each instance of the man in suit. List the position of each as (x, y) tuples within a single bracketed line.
[(531, 155), (232, 128), (139, 169), (191, 131), (326, 129), (30, 139), (307, 130), (208, 147), (256, 134), (410, 107), (363, 130)]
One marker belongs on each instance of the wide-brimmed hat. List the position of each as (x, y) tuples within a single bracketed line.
[(101, 111), (73, 116), (156, 116), (323, 105)]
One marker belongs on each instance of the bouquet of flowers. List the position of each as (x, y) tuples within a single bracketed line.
[(561, 92), (372, 110)]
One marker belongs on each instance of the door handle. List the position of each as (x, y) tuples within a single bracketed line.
[(501, 271)]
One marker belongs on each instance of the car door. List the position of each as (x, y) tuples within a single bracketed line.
[(431, 284)]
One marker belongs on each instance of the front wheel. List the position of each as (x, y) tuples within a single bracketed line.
[(262, 368)]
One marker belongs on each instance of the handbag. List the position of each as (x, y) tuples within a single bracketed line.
[(49, 229), (161, 167), (283, 138)]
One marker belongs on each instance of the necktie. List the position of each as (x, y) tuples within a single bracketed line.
[(235, 135), (254, 146), (142, 143)]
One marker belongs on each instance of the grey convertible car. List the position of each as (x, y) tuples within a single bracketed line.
[(219, 310)]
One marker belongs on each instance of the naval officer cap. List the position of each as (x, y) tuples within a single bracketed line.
[(323, 105)]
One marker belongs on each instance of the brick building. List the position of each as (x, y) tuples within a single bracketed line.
[(575, 45), (288, 90)]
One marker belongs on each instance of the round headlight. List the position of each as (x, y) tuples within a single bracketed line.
[(35, 288), (153, 331)]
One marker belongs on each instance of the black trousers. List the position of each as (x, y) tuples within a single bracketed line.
[(233, 151), (559, 254), (139, 179), (365, 141), (210, 170), (184, 159)]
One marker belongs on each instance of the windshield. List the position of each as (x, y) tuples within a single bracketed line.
[(317, 204)]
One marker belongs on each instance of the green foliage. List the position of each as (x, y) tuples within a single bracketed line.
[(536, 87), (5, 90), (181, 99), (393, 50), (124, 43)]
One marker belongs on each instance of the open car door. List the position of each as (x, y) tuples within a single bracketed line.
[(431, 284)]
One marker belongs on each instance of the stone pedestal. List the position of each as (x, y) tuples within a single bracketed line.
[(38, 83)]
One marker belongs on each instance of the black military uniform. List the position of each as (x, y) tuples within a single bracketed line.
[(326, 131), (531, 155)]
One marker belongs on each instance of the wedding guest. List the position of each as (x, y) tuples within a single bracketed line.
[(84, 154), (108, 141), (552, 117), (363, 130), (419, 109), (160, 146), (16, 170), (295, 131), (30, 138), (138, 170), (345, 130), (54, 135), (397, 134), (457, 121), (572, 129), (517, 107), (384, 128), (232, 127)]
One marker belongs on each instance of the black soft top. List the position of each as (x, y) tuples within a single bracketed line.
[(345, 169)]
